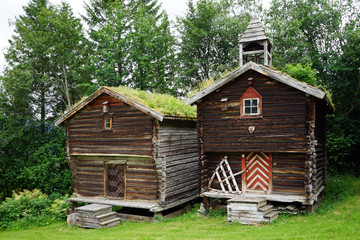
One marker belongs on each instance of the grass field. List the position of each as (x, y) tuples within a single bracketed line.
[(337, 218)]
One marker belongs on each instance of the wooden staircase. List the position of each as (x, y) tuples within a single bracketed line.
[(96, 216), (248, 210)]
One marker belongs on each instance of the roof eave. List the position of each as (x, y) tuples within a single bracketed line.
[(110, 92), (219, 84), (283, 78)]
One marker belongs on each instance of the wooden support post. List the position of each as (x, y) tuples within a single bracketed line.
[(270, 172), (240, 54), (206, 202), (73, 206), (266, 58), (243, 178)]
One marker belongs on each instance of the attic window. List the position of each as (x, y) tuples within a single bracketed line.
[(224, 104), (251, 104), (107, 123)]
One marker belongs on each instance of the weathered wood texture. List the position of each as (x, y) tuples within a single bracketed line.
[(234, 160), (203, 161), (315, 167), (287, 176), (131, 129), (179, 159), (288, 173), (321, 151), (141, 180), (282, 127)]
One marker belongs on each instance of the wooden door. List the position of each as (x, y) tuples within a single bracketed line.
[(258, 174), (116, 180)]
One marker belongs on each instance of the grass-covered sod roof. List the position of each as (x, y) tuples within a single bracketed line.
[(164, 104)]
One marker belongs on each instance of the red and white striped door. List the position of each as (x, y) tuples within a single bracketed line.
[(258, 174)]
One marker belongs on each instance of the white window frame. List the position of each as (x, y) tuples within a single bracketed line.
[(257, 105)]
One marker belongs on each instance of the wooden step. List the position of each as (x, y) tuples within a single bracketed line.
[(110, 223), (272, 216), (266, 209), (97, 209), (106, 217)]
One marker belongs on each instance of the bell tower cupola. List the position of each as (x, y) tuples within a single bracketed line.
[(254, 45)]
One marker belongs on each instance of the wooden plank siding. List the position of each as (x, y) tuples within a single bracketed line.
[(287, 176), (140, 178), (129, 126), (288, 173), (282, 127), (180, 159)]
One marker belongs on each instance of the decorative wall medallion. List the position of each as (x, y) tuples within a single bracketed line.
[(251, 129)]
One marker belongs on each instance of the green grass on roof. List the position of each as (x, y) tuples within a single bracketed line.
[(165, 104)]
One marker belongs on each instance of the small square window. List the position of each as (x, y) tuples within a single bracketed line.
[(251, 106), (107, 123), (224, 104)]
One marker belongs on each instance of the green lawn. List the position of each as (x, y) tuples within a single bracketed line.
[(337, 218)]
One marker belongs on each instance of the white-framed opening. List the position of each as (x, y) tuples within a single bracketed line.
[(251, 106)]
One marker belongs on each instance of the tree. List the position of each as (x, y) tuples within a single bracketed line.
[(50, 44), (209, 35), (45, 66), (325, 34), (152, 52), (133, 45)]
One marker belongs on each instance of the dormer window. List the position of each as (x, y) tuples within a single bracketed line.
[(251, 104)]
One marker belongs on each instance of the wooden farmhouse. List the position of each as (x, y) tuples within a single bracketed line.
[(130, 148), (261, 133)]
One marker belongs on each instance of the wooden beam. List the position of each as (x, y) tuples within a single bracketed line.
[(174, 204), (254, 52)]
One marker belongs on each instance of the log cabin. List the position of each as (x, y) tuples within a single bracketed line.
[(261, 133), (133, 149)]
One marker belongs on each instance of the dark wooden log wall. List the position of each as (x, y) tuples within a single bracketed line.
[(288, 173), (140, 177), (179, 159), (282, 128), (131, 132)]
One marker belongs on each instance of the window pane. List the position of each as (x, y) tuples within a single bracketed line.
[(254, 102), (254, 110), (247, 110), (107, 123), (247, 103)]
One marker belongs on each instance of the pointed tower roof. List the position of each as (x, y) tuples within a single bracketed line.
[(254, 32)]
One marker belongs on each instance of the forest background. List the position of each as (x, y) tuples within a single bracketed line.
[(55, 59)]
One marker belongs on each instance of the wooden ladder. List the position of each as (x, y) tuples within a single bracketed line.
[(226, 177)]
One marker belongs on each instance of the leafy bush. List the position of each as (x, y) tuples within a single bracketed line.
[(303, 73), (31, 209)]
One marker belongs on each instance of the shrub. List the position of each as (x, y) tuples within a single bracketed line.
[(31, 208)]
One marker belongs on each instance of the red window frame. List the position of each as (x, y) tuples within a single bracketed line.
[(251, 94)]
